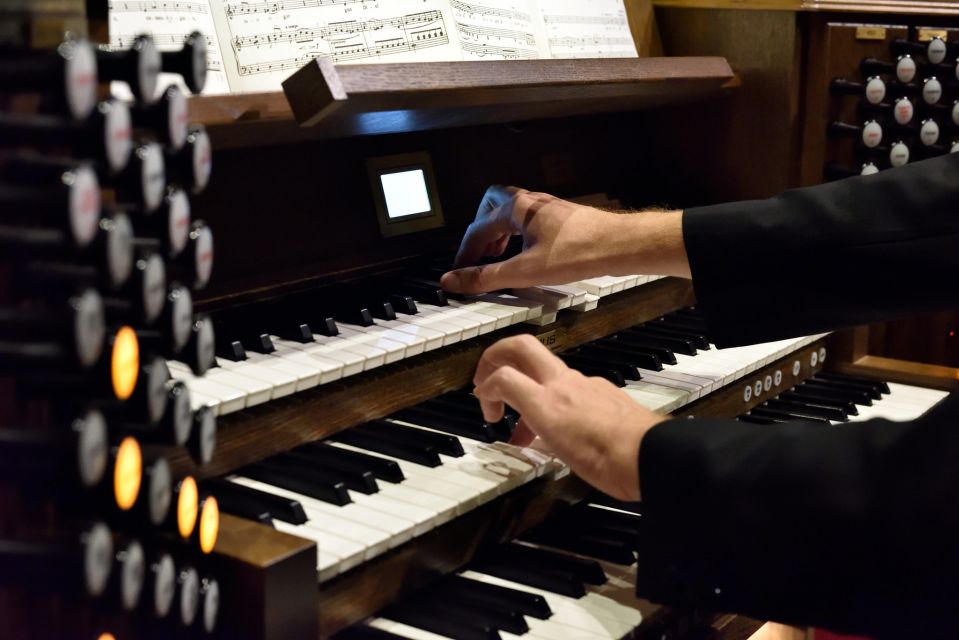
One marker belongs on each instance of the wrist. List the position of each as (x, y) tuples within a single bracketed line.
[(647, 242)]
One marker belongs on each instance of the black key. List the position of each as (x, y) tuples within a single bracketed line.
[(295, 331), (436, 420), (357, 480), (804, 408), (445, 444), (432, 619), (696, 338), (637, 345), (420, 290), (588, 571), (240, 500), (597, 516), (678, 345), (427, 457), (363, 482), (595, 545), (360, 316), (827, 390), (646, 361), (685, 322), (270, 473), (871, 392), (477, 613), (769, 412), (530, 604), (503, 429), (363, 632), (852, 380), (561, 582), (324, 325), (626, 370), (757, 420), (594, 370), (403, 304), (230, 349), (819, 400), (381, 468)]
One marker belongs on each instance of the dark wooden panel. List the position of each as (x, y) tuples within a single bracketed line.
[(745, 146)]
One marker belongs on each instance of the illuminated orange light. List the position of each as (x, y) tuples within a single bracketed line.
[(187, 505), (209, 524), (125, 363), (106, 636), (127, 473)]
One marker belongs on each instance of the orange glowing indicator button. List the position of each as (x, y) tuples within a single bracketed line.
[(209, 524), (187, 505), (125, 363), (127, 473)]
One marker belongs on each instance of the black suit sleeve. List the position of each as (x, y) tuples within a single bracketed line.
[(846, 253), (856, 527)]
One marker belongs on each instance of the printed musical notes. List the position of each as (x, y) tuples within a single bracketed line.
[(255, 44), (169, 22), (498, 30), (269, 40), (594, 29)]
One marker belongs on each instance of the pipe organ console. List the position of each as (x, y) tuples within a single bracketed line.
[(289, 448)]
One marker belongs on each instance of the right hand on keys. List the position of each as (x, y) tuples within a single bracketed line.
[(587, 422), (562, 242)]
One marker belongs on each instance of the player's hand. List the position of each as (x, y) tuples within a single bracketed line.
[(562, 242), (587, 422)]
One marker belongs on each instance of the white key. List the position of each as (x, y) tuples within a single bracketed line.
[(352, 357), (326, 369), (470, 327), (393, 350), (332, 519), (198, 400), (283, 383), (229, 398), (548, 317), (533, 309), (589, 304), (552, 299), (402, 630), (503, 317), (432, 336), (484, 323)]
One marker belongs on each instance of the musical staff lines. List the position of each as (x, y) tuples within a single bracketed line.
[(498, 52), (605, 21), (349, 40), (477, 32), (175, 6), (246, 8), (470, 9)]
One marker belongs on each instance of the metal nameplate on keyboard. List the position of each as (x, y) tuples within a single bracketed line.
[(553, 340)]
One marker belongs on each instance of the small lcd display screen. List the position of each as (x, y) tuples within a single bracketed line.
[(405, 193)]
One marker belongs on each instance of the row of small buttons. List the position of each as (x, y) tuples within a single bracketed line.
[(761, 385)]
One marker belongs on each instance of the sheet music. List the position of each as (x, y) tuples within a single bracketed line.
[(499, 29), (271, 39), (169, 22), (593, 29)]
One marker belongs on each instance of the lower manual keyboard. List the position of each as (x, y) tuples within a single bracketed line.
[(526, 590), (837, 399)]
